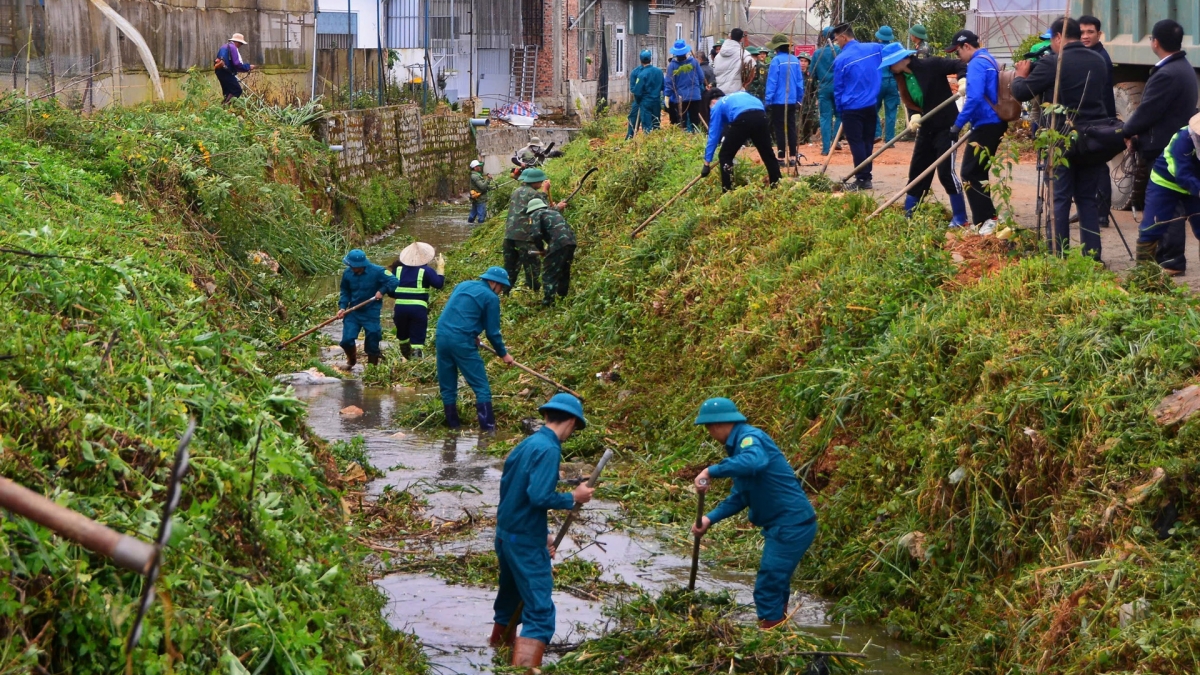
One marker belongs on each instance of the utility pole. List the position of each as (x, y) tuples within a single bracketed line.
[(379, 46), (426, 71), (350, 51)]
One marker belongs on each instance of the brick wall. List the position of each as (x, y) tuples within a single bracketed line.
[(430, 151)]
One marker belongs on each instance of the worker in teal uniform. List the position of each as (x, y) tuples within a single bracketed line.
[(822, 72), (646, 85), (361, 281), (473, 308), (889, 94), (764, 481), (523, 541)]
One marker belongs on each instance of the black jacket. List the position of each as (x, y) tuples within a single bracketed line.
[(1110, 101), (1168, 102), (1085, 76), (930, 73)]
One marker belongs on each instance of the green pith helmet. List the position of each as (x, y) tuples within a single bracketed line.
[(777, 41), (534, 204), (532, 175), (718, 410)]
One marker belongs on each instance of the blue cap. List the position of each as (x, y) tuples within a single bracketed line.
[(718, 410), (646, 56), (356, 258), (893, 53), (680, 48), (496, 274), (885, 34), (568, 404), (1047, 35)]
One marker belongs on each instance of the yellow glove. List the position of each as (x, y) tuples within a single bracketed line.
[(440, 264), (914, 122)]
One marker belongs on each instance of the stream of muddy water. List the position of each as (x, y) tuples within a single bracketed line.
[(456, 476)]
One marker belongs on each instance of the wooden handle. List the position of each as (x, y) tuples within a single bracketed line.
[(639, 228), (591, 482), (932, 167), (321, 325), (128, 552), (829, 158), (696, 544), (536, 374), (580, 186)]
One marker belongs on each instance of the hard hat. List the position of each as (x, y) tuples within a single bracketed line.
[(356, 258), (534, 205), (498, 275), (718, 410), (568, 404)]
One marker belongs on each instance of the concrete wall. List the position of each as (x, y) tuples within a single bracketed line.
[(431, 151), (496, 144)]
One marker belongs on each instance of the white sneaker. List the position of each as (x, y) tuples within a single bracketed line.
[(988, 227)]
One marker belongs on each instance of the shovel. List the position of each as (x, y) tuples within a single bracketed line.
[(696, 546)]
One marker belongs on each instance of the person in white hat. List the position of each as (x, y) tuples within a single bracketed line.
[(228, 64), (414, 279), (480, 186)]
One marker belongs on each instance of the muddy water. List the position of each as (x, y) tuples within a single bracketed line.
[(456, 476)]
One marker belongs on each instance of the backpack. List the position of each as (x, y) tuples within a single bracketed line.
[(1007, 107)]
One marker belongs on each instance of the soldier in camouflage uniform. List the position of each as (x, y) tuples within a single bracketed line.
[(519, 252), (758, 87), (556, 243), (480, 186)]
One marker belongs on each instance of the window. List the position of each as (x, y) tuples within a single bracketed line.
[(619, 49), (678, 31)]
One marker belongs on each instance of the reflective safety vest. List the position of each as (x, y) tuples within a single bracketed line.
[(416, 294), (1168, 172)]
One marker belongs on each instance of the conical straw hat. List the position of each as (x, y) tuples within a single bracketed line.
[(416, 254)]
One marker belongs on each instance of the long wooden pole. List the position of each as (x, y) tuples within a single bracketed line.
[(637, 230), (932, 167), (324, 323), (536, 374), (696, 545), (836, 138), (511, 628), (897, 137)]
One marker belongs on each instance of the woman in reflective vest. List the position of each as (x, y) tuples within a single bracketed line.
[(416, 277)]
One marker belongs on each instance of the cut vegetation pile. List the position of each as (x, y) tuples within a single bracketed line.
[(971, 420), (128, 293)]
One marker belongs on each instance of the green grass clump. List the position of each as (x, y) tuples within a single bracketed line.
[(111, 342), (959, 426)]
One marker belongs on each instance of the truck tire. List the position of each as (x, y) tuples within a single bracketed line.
[(1128, 96)]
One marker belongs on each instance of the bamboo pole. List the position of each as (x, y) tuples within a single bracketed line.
[(897, 137), (637, 230), (945, 155), (536, 374), (832, 148)]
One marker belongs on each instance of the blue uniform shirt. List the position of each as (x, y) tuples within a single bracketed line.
[(527, 489), (785, 82), (983, 80), (646, 84), (724, 111), (856, 76), (1178, 168), (762, 480), (822, 66), (473, 308), (685, 86), (359, 287)]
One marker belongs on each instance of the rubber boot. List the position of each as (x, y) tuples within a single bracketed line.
[(406, 350), (486, 417), (451, 412), (767, 624), (958, 207), (373, 359), (528, 652), (1146, 251), (351, 356), (418, 352), (910, 205), (498, 630)]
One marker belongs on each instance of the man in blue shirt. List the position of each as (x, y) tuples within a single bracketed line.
[(1174, 183), (783, 96), (473, 308), (856, 80), (684, 85), (361, 281), (763, 481), (822, 72), (889, 93), (646, 85), (987, 129), (523, 542), (737, 117)]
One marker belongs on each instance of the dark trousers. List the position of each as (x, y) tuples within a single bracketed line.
[(412, 323), (977, 161), (787, 134), (751, 125), (1141, 178), (858, 126), (1163, 222), (556, 273), (1104, 198), (231, 87), (931, 144), (1079, 184), (686, 114), (517, 256)]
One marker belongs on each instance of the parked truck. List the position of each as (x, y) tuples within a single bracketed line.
[(1127, 25)]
